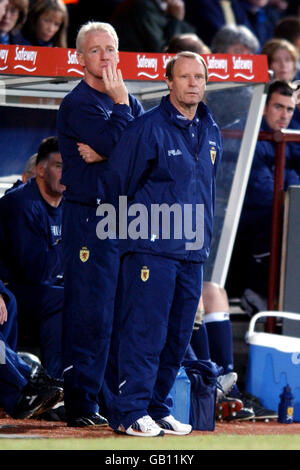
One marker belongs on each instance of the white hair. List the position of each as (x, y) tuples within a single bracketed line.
[(93, 26)]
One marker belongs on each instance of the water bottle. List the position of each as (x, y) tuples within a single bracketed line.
[(286, 406)]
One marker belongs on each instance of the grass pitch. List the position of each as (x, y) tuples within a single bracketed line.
[(214, 442)]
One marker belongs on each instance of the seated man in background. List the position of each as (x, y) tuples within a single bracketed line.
[(186, 42), (25, 389), (25, 392), (252, 247), (31, 260)]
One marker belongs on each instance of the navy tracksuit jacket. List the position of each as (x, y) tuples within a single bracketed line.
[(91, 265), (31, 262), (172, 160)]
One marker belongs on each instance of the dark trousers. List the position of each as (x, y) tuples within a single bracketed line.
[(13, 376), (91, 273), (40, 307), (156, 307)]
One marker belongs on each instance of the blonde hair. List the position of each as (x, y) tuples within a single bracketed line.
[(94, 26)]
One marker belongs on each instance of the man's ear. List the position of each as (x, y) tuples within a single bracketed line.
[(265, 109), (169, 83), (40, 170), (80, 58)]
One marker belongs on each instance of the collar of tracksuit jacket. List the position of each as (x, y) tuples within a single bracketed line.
[(192, 129), (180, 120)]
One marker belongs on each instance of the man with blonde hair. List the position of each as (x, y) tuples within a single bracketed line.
[(92, 26), (95, 112)]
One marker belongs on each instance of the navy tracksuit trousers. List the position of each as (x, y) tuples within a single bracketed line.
[(13, 376), (13, 370), (90, 274), (41, 306), (156, 306)]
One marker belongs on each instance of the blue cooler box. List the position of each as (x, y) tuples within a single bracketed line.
[(273, 362)]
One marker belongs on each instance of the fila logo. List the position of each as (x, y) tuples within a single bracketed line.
[(56, 230), (173, 153)]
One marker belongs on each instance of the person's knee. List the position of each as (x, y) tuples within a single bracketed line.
[(214, 298)]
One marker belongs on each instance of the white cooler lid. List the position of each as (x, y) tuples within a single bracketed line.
[(287, 344)]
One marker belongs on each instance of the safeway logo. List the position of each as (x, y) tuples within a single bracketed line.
[(25, 56), (166, 59), (149, 63), (243, 68), (3, 58), (72, 60), (217, 67)]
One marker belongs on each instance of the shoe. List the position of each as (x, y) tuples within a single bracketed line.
[(170, 425), (87, 421), (260, 413), (55, 414), (225, 383), (36, 400), (39, 376), (245, 414), (233, 409), (142, 427)]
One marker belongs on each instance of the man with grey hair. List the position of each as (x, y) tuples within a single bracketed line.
[(232, 39), (95, 112), (235, 39), (171, 158), (28, 172), (30, 168)]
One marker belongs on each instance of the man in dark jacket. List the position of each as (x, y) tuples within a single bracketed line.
[(169, 166), (254, 233), (95, 112), (31, 257)]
